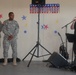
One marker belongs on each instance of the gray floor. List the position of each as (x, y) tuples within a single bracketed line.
[(35, 68)]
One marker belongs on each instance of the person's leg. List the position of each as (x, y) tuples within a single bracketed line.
[(14, 51), (5, 52), (74, 49)]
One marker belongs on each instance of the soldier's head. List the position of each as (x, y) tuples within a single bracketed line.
[(11, 15)]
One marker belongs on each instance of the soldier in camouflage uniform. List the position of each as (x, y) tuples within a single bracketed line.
[(10, 30)]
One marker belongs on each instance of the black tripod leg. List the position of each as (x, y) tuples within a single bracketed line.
[(29, 52), (45, 49), (31, 58)]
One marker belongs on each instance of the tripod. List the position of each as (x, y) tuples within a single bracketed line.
[(36, 47)]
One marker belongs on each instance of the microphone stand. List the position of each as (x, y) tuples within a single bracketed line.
[(65, 26)]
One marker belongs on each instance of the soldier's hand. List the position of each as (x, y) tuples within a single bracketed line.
[(10, 37)]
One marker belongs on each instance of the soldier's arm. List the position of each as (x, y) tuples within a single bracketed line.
[(5, 31), (16, 30), (1, 26)]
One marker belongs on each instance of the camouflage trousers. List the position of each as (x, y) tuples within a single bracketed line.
[(13, 44)]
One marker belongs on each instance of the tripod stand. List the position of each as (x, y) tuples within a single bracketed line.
[(36, 47)]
